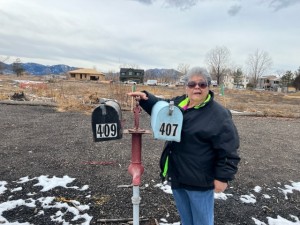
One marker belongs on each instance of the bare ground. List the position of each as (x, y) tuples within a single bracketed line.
[(38, 140)]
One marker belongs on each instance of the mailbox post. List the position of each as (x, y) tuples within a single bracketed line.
[(136, 168), (166, 123)]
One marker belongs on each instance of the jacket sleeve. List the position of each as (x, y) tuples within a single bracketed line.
[(226, 144), (149, 103)]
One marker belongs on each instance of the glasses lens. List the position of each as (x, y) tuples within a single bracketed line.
[(202, 85), (192, 84)]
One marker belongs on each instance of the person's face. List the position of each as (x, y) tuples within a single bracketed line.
[(197, 89)]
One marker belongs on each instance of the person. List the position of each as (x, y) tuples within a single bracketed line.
[(206, 158)]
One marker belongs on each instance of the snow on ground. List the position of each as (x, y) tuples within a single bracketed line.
[(249, 199), (79, 211), (62, 205), (290, 188), (278, 221), (2, 187)]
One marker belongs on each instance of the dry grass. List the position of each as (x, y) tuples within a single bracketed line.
[(82, 96)]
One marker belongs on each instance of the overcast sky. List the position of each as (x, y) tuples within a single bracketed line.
[(148, 33)]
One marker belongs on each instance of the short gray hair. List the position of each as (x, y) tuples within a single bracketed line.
[(198, 71)]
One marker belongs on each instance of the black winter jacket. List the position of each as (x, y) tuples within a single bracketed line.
[(208, 147)]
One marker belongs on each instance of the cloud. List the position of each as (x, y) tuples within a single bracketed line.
[(181, 4), (235, 9), (281, 4), (148, 2)]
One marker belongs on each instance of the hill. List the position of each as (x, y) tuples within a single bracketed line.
[(37, 69)]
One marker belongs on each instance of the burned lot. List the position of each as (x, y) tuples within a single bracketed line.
[(39, 142)]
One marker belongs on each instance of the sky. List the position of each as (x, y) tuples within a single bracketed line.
[(59, 206), (148, 34)]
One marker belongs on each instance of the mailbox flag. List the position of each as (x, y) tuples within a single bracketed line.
[(166, 121)]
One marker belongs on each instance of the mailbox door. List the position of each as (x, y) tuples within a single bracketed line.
[(166, 126), (106, 123)]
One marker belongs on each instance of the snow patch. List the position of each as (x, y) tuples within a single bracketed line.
[(221, 196), (2, 187), (257, 189), (279, 221), (165, 187), (248, 198), (63, 206), (16, 189), (290, 188)]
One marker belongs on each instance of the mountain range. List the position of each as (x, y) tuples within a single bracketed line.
[(37, 69), (40, 70)]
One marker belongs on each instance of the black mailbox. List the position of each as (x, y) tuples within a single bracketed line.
[(106, 121)]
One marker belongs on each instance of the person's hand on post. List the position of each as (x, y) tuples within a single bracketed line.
[(220, 186), (138, 94)]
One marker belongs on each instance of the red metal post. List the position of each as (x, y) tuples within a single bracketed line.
[(136, 168)]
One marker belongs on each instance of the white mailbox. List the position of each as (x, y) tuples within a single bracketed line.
[(166, 121)]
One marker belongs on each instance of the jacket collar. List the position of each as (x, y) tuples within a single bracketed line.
[(183, 104)]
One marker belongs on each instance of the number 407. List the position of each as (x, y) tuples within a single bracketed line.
[(168, 129)]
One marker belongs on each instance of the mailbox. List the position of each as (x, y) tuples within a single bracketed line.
[(106, 121), (166, 121)]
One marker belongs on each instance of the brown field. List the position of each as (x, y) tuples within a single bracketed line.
[(72, 95)]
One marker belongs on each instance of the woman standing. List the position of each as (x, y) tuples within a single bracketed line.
[(206, 158)]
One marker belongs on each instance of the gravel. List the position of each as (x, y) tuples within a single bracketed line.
[(38, 140)]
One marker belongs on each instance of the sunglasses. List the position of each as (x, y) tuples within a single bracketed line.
[(192, 84)]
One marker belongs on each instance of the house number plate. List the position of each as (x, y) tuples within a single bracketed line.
[(106, 130)]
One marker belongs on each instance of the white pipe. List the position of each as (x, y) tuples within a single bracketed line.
[(136, 204)]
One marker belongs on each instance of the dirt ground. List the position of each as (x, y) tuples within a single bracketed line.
[(38, 140)]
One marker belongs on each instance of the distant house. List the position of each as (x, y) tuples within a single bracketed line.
[(181, 81), (230, 83), (268, 82), (136, 75), (86, 74)]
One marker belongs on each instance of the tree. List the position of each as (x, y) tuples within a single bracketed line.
[(128, 65), (183, 68), (18, 67), (287, 79), (2, 65), (296, 82), (238, 77), (217, 60), (112, 75), (258, 63)]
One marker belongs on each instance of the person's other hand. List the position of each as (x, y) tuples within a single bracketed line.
[(220, 186), (139, 94)]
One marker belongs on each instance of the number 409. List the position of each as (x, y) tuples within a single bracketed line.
[(168, 129)]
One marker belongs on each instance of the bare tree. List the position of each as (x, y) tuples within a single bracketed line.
[(112, 75), (258, 63), (183, 68), (18, 67), (217, 59), (2, 61), (128, 65)]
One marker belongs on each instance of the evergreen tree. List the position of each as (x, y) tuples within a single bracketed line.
[(238, 77), (287, 79), (296, 82)]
